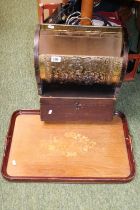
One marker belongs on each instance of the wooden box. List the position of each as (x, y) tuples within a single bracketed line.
[(96, 103)]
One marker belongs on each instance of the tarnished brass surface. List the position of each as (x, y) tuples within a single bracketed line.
[(80, 54), (61, 27), (80, 70)]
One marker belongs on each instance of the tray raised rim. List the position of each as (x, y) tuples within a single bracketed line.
[(7, 147)]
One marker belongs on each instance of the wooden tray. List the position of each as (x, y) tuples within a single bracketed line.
[(66, 152)]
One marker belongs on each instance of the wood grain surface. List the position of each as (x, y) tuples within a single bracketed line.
[(77, 109), (67, 150)]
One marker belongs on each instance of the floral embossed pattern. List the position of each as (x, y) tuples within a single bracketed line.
[(81, 70)]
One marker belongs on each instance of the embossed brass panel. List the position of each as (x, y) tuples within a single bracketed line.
[(80, 55)]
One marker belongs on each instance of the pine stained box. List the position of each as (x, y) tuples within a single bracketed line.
[(82, 105)]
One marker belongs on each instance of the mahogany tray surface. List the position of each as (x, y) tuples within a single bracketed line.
[(67, 152)]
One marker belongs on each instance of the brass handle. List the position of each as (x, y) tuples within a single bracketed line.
[(78, 105)]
